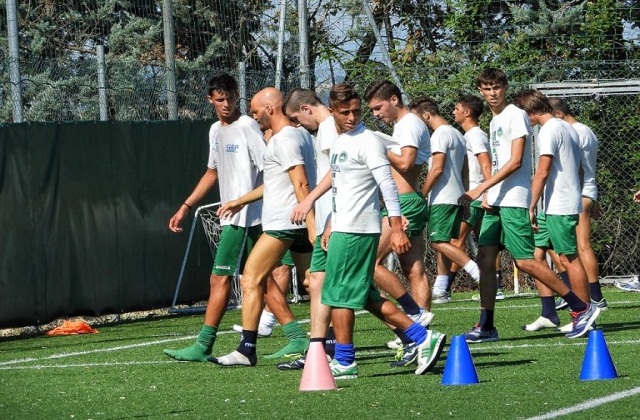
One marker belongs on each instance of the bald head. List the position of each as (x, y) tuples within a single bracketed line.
[(266, 108)]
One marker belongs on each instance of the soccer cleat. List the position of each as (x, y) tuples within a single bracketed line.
[(262, 330), (194, 353), (429, 351), (394, 344), (295, 364), (540, 324), (628, 286), (582, 321), (440, 299), (479, 335), (602, 304), (235, 358), (296, 347), (343, 372), (405, 356), (423, 318), (561, 304)]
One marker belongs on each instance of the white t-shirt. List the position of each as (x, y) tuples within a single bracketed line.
[(411, 131), (287, 148), (477, 142), (588, 157), (236, 151), (356, 206), (515, 191), (449, 187), (558, 139), (326, 135)]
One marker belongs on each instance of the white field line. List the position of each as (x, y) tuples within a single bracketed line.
[(304, 321), (588, 404)]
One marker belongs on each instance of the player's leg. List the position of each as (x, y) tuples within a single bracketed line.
[(229, 252), (587, 255)]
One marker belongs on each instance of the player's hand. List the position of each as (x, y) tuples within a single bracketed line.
[(300, 212), (466, 198), (636, 197), (325, 239), (229, 209), (400, 242), (533, 219), (176, 221)]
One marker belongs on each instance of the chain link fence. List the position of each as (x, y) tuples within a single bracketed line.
[(61, 81)]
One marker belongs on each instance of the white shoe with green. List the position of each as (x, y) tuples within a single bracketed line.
[(429, 350), (343, 372)]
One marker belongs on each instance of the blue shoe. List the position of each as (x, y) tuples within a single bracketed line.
[(561, 304), (405, 356), (480, 335), (602, 304), (582, 321)]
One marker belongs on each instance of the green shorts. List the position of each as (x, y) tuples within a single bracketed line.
[(299, 237), (509, 227), (351, 261), (475, 214), (287, 259), (414, 207), (557, 232), (233, 248), (318, 257), (444, 222)]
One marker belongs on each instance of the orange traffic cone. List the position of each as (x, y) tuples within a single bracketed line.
[(316, 375)]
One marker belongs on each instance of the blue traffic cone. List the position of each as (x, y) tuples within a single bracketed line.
[(459, 368), (597, 362)]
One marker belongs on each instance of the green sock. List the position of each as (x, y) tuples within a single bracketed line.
[(200, 350), (293, 330), (298, 341)]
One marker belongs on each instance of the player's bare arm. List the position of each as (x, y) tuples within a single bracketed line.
[(301, 189), (299, 214), (517, 154), (206, 183), (435, 170), (537, 186), (232, 207)]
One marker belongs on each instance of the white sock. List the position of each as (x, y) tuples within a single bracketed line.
[(440, 285), (267, 320), (472, 268)]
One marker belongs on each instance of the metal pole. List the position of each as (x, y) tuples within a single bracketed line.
[(385, 52), (280, 58), (102, 83), (242, 85), (14, 61), (303, 32), (170, 59)]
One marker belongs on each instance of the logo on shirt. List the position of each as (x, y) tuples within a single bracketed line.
[(232, 148), (343, 157)]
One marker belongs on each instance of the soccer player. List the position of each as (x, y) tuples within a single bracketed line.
[(558, 176), (588, 158), (508, 224), (235, 164), (289, 175), (443, 186), (407, 150), (303, 107), (466, 113), (361, 170)]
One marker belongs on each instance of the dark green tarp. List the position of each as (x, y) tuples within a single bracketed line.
[(84, 210)]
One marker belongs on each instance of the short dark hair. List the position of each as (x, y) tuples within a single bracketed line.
[(298, 97), (473, 104), (382, 89), (492, 75), (425, 104), (532, 101), (341, 93), (224, 83), (560, 104)]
